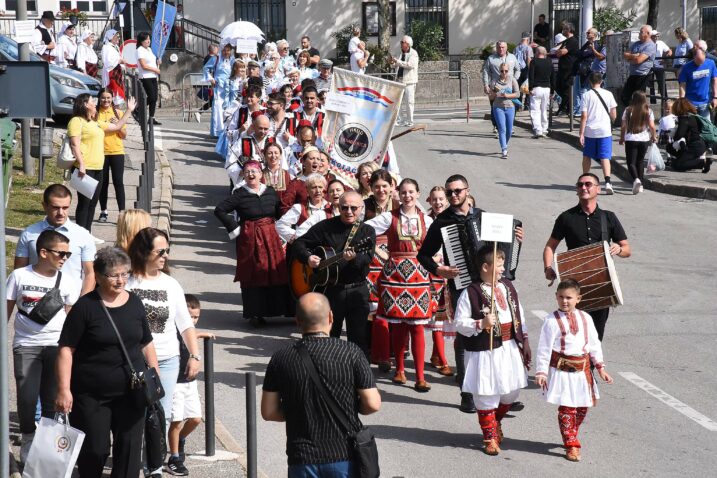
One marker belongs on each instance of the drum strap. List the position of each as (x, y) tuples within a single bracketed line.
[(603, 227)]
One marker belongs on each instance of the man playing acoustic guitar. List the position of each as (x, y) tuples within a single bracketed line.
[(349, 296)]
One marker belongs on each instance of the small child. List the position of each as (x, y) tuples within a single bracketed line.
[(186, 407), (494, 377), (568, 344), (35, 342)]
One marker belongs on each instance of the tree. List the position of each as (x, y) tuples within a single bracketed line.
[(653, 7), (612, 18), (384, 25)]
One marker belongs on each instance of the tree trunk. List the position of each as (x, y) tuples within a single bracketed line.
[(384, 25), (653, 8)]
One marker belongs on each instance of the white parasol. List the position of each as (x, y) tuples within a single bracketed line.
[(241, 30)]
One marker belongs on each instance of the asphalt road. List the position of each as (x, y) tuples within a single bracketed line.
[(657, 419)]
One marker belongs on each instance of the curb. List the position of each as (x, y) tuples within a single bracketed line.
[(619, 169), (164, 216)]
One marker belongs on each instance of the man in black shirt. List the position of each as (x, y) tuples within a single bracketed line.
[(349, 297), (457, 191), (316, 442), (314, 55), (581, 226), (541, 32), (567, 54)]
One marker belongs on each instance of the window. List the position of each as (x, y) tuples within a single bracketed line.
[(89, 6), (11, 5), (709, 26), (269, 15), (565, 11), (370, 18), (429, 11)]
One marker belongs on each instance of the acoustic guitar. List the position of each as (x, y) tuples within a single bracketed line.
[(304, 279)]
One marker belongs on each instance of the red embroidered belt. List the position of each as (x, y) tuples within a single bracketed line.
[(570, 363), (505, 331)]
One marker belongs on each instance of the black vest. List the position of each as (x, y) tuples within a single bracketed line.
[(46, 37), (480, 301)]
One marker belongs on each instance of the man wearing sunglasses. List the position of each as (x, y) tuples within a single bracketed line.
[(349, 297), (582, 225), (56, 202), (460, 210)]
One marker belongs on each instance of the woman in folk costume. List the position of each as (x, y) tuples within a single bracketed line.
[(288, 225), (66, 46), (112, 66), (441, 326), (497, 349), (86, 59), (404, 286), (217, 71), (274, 174), (568, 345)]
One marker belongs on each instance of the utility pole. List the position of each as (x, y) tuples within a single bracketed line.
[(28, 164), (131, 19)]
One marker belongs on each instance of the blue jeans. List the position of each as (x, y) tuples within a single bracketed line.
[(168, 373), (338, 469), (504, 120), (704, 111), (578, 91)]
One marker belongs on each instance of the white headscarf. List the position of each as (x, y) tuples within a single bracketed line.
[(109, 35), (86, 34), (65, 26)]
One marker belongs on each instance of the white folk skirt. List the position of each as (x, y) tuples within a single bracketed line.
[(571, 389), (499, 375)]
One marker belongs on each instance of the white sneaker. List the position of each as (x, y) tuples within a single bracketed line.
[(97, 240), (608, 189), (197, 117), (408, 124), (26, 441), (636, 186), (399, 122), (505, 154), (640, 189)]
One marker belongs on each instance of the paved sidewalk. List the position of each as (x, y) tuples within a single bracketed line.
[(691, 184)]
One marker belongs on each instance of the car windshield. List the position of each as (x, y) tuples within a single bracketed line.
[(8, 49)]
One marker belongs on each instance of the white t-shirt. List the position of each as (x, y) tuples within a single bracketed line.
[(644, 135), (661, 49), (167, 313), (147, 55), (355, 57), (353, 44), (26, 287), (598, 124)]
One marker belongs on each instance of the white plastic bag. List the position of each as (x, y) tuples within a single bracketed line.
[(654, 159), (54, 449)]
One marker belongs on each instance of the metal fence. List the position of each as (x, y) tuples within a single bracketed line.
[(146, 179), (192, 37)]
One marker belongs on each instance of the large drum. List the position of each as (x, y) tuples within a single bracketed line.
[(593, 268)]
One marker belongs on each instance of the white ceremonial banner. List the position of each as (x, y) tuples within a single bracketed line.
[(246, 46), (496, 227), (362, 135)]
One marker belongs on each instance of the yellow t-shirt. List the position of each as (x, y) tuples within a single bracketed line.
[(91, 141), (113, 142)]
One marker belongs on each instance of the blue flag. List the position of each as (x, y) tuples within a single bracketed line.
[(163, 24)]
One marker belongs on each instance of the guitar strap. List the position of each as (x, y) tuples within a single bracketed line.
[(354, 229)]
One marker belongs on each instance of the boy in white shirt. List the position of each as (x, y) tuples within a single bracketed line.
[(35, 341)]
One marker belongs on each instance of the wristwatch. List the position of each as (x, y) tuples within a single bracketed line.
[(198, 358)]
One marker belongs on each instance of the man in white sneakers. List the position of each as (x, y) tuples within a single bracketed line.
[(599, 110), (406, 73)]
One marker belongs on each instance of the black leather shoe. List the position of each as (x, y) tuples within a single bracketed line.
[(517, 406), (467, 405), (155, 122)]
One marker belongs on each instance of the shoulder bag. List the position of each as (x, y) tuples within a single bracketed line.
[(362, 443), (601, 101), (146, 388), (65, 158), (49, 305)]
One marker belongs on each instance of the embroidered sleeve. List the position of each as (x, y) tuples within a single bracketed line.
[(594, 345), (285, 225), (545, 345)]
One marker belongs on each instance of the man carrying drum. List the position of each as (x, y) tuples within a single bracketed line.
[(583, 225)]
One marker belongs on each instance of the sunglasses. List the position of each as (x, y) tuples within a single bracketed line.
[(586, 184), (61, 254), (352, 208), (161, 252), (455, 192), (116, 277)]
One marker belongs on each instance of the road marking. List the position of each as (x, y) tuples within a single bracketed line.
[(539, 314), (669, 400)]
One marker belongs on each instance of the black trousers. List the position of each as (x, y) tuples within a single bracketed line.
[(152, 90), (688, 157), (563, 84), (115, 164), (85, 212), (600, 319), (350, 304), (658, 76), (635, 155), (634, 83), (34, 376), (97, 417)]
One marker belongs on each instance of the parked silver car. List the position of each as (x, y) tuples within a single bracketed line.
[(65, 85)]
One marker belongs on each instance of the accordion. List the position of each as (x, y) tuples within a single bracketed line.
[(462, 243)]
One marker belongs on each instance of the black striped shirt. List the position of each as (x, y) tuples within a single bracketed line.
[(313, 435)]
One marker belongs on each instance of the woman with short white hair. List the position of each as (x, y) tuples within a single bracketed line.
[(293, 218)]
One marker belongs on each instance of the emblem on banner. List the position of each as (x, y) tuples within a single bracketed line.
[(354, 142)]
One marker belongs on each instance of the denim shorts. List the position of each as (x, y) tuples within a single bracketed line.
[(598, 148)]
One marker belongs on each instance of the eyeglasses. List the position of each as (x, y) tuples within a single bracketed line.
[(455, 192), (116, 277), (61, 254), (586, 184), (352, 208), (161, 252)]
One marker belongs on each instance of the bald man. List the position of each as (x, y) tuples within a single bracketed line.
[(249, 146), (316, 443), (349, 297)]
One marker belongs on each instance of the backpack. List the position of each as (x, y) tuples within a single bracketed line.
[(708, 131)]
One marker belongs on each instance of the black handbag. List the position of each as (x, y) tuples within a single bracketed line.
[(145, 387), (49, 305), (363, 442), (155, 443)]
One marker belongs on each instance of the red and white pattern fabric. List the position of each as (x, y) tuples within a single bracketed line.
[(405, 292), (374, 271)]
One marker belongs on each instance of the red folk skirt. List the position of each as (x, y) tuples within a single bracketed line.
[(405, 291), (374, 271), (261, 261), (116, 84)]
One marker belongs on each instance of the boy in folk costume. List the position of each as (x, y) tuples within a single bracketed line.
[(568, 345), (493, 375)]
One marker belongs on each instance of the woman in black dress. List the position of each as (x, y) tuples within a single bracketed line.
[(261, 262), (687, 145)]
